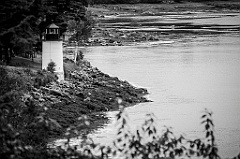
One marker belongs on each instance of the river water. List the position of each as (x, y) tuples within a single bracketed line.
[(183, 76)]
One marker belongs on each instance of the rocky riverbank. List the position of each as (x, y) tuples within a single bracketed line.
[(86, 92)]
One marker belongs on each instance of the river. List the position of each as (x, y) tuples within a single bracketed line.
[(183, 77)]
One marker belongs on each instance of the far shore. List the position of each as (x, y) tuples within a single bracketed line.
[(126, 24)]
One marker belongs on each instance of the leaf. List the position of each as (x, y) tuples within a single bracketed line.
[(154, 130), (119, 140), (191, 145), (150, 132), (40, 118), (204, 121), (124, 122), (213, 138), (207, 134), (207, 126), (191, 152), (120, 150), (210, 122), (55, 123), (114, 153), (138, 134), (119, 132), (171, 154)]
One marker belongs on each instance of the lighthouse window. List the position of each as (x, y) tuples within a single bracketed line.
[(51, 31)]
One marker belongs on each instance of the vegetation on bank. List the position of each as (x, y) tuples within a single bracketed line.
[(36, 108)]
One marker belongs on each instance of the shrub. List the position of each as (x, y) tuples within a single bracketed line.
[(147, 143), (79, 56), (24, 128), (4, 78), (43, 78), (51, 67), (19, 80)]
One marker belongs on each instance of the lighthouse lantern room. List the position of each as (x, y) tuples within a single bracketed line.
[(52, 50)]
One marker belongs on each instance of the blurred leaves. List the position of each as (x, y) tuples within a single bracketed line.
[(144, 143)]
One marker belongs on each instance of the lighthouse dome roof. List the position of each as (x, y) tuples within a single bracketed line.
[(53, 26)]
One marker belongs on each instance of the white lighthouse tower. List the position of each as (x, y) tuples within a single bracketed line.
[(52, 50)]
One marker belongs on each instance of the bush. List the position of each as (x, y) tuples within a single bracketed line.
[(19, 80), (4, 78), (147, 143), (51, 67), (80, 56), (43, 78), (24, 128)]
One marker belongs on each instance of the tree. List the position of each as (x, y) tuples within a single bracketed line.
[(24, 21), (19, 30)]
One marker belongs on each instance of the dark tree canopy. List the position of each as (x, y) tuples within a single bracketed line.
[(128, 1), (23, 21)]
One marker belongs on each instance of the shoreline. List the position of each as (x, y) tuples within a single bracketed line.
[(90, 93), (87, 93)]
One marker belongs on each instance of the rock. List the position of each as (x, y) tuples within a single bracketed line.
[(41, 100), (80, 95), (26, 97), (55, 92), (36, 95)]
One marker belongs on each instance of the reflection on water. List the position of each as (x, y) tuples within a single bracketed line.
[(183, 78)]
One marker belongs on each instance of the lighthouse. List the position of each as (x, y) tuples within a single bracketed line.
[(52, 50)]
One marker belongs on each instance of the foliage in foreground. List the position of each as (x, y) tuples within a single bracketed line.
[(144, 143)]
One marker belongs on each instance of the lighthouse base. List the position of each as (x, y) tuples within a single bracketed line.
[(60, 76)]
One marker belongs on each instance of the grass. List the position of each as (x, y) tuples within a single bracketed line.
[(21, 62)]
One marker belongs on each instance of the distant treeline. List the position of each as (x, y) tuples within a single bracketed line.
[(129, 1), (138, 1)]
